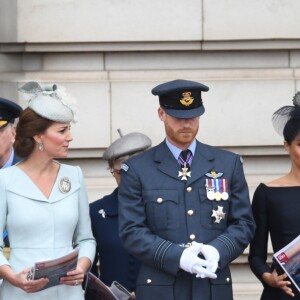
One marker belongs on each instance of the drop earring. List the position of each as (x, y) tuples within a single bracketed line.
[(41, 147)]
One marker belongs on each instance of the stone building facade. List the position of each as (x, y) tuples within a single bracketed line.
[(110, 54)]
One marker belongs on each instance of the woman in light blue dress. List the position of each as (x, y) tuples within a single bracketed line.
[(44, 204)]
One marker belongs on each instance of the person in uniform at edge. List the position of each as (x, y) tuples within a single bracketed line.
[(44, 203), (116, 264), (276, 206), (184, 216), (9, 111)]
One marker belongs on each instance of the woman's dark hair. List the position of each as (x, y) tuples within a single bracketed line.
[(291, 129), (29, 125)]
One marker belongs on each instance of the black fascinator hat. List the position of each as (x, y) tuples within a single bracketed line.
[(284, 114)]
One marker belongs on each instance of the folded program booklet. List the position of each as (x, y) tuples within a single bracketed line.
[(288, 258), (97, 290), (54, 269)]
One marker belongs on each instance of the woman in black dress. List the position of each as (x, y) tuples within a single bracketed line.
[(276, 210)]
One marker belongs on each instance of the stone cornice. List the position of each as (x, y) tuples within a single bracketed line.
[(257, 44), (272, 150)]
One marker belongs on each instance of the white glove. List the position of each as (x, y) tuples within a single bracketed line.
[(212, 255), (190, 262)]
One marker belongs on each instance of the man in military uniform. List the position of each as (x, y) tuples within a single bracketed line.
[(9, 111), (184, 214)]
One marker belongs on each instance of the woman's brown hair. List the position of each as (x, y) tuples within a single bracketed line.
[(29, 125)]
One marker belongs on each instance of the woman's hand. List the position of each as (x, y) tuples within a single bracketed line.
[(74, 277), (278, 281), (29, 286)]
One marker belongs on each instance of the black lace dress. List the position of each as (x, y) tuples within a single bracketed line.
[(276, 212)]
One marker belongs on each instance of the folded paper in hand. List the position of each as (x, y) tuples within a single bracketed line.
[(97, 290), (288, 259), (54, 269)]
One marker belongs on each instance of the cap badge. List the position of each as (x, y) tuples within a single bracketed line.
[(218, 214), (64, 185), (3, 123), (187, 100)]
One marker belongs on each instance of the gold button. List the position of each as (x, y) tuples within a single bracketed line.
[(189, 189), (149, 281), (190, 212), (192, 236), (159, 200), (227, 279)]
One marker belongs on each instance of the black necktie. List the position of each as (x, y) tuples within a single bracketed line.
[(185, 157)]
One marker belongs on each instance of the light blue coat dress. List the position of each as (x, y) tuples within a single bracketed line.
[(41, 228)]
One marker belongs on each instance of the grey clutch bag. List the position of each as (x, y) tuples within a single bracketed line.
[(120, 291)]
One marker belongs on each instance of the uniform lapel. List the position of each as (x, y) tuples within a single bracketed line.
[(167, 162), (203, 162)]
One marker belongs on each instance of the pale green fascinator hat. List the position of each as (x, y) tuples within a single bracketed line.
[(50, 101)]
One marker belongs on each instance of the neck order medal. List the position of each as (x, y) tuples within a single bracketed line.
[(185, 173)]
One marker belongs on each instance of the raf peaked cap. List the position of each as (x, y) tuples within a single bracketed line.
[(9, 111), (181, 98), (128, 144)]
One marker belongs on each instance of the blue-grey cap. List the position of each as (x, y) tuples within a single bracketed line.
[(181, 98), (9, 111)]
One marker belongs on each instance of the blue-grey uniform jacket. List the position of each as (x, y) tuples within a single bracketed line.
[(15, 160), (158, 212)]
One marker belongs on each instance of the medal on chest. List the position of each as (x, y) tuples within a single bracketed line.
[(210, 189), (185, 173), (216, 187), (218, 214), (224, 188), (185, 159)]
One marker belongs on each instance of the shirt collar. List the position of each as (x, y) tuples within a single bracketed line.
[(10, 160), (176, 151)]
